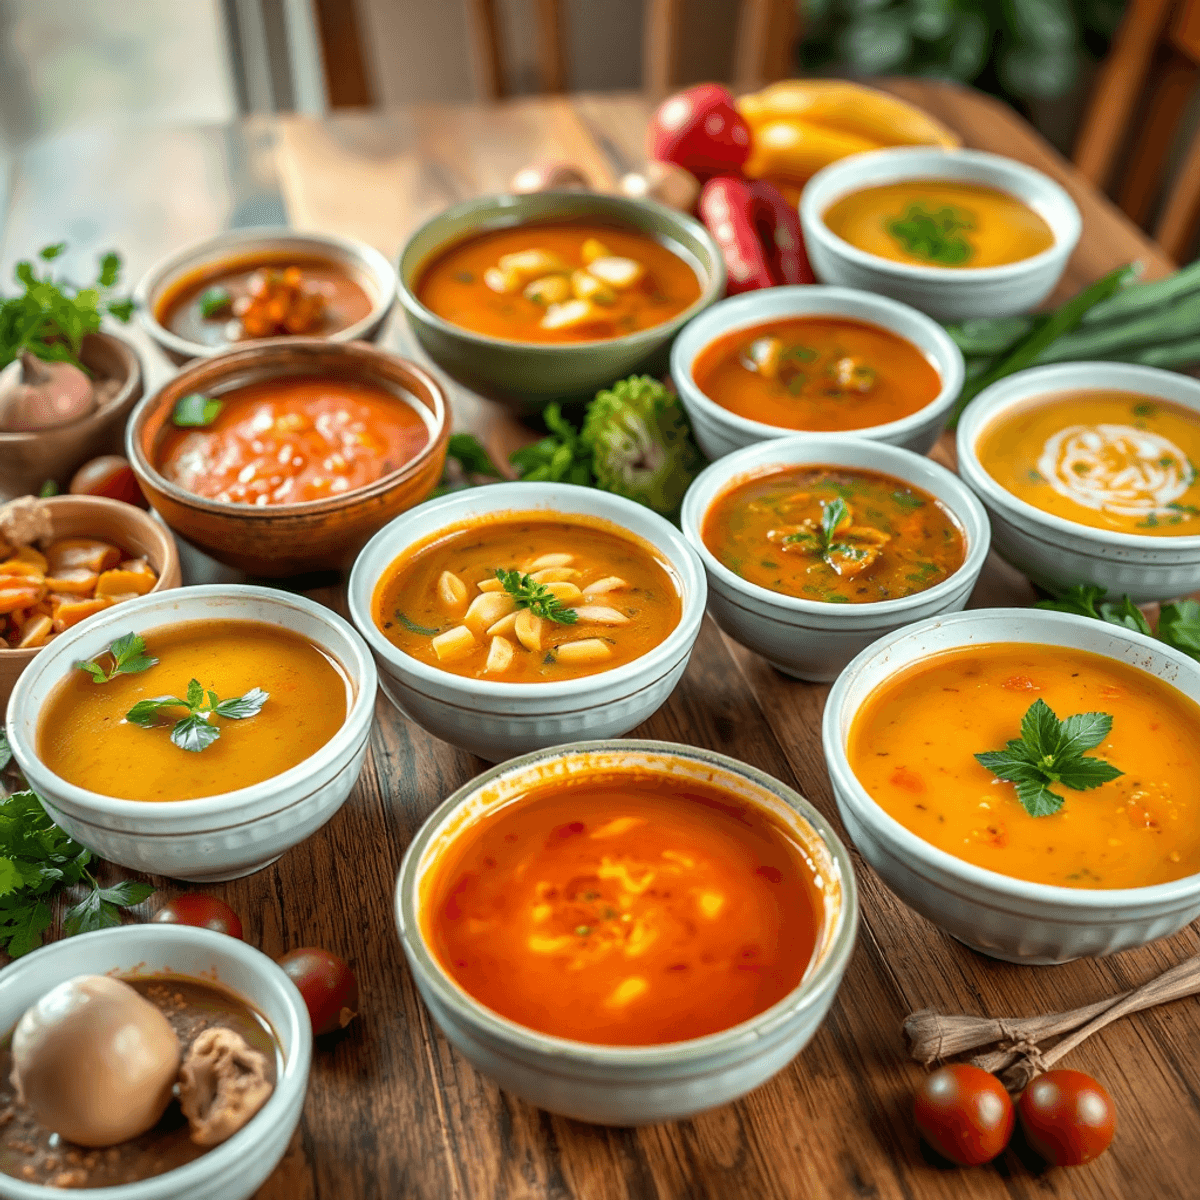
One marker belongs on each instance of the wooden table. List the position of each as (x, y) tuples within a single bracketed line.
[(392, 1111)]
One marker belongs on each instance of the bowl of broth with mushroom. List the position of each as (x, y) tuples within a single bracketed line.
[(670, 900)]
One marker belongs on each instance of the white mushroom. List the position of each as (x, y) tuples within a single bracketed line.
[(500, 655), (452, 592), (529, 630)]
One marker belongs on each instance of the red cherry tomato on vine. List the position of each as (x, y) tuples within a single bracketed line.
[(964, 1113), (109, 475), (328, 986), (1068, 1118), (206, 912)]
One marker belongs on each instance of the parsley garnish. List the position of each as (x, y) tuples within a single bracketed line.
[(536, 597), (1052, 751), (214, 301), (129, 658), (934, 235), (1178, 622), (820, 541), (194, 732), (195, 411), (37, 859)]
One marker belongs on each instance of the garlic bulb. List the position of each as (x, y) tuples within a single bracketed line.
[(36, 395)]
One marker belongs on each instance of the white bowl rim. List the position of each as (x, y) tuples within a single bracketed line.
[(854, 299), (506, 498), (711, 285), (980, 879), (375, 263), (1065, 238), (1035, 383), (296, 1064), (806, 993), (894, 461), (362, 679)]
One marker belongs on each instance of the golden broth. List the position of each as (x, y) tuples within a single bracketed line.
[(894, 539), (626, 598), (912, 747), (816, 373), (624, 909), (83, 736), (936, 223), (1111, 460)]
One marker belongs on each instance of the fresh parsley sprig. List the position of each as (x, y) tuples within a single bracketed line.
[(1051, 751), (822, 540), (536, 597), (1178, 622), (129, 657), (194, 732)]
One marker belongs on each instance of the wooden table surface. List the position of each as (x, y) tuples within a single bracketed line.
[(392, 1111)]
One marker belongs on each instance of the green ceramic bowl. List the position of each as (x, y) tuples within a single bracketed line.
[(526, 375)]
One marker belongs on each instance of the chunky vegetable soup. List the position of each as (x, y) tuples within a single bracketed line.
[(298, 438), (558, 282), (624, 909), (1111, 460), (522, 598), (913, 742), (816, 373), (940, 223), (833, 534)]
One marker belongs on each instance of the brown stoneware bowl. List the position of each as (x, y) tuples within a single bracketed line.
[(27, 460), (287, 539), (133, 529)]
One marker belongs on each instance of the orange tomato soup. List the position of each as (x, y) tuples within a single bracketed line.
[(833, 534), (819, 373), (443, 603), (1111, 460), (558, 282), (625, 909), (913, 742), (285, 441)]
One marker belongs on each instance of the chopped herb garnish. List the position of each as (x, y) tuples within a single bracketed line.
[(49, 488), (413, 627), (935, 235), (214, 302), (1178, 622), (128, 655), (536, 597), (194, 732), (195, 411), (907, 500)]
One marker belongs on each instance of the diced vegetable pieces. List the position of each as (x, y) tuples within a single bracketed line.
[(500, 655), (550, 289), (529, 629), (73, 581), (505, 627), (118, 582), (553, 574), (487, 608), (616, 271), (532, 264), (569, 315), (140, 565), (35, 631), (454, 643), (556, 559), (592, 249), (588, 650), (14, 597), (503, 282), (66, 553), (72, 610), (452, 592), (585, 286), (15, 568), (27, 554), (121, 597), (601, 614), (601, 587)]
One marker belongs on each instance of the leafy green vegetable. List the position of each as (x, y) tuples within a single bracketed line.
[(470, 455), (129, 657), (413, 627), (51, 317), (5, 750), (194, 732), (195, 411), (934, 235), (1179, 626), (1051, 751), (821, 540), (1178, 622), (560, 457), (215, 301), (37, 859), (536, 597)]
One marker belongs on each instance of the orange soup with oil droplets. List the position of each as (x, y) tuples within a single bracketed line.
[(558, 282), (1111, 460), (818, 373), (625, 909), (85, 737), (520, 598), (833, 534), (913, 745)]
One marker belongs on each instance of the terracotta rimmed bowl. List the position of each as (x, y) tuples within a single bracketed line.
[(27, 460), (527, 375), (236, 1168), (130, 528), (631, 1085), (286, 539), (365, 265)]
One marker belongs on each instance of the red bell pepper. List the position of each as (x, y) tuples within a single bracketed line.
[(700, 130), (758, 232)]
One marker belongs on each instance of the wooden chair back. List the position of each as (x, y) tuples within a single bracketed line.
[(1142, 92)]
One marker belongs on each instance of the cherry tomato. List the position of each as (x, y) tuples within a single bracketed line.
[(109, 475), (206, 912), (964, 1113), (327, 985), (1068, 1118)]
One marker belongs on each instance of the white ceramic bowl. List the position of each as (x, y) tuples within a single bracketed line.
[(497, 720), (996, 914), (217, 837), (1053, 551), (948, 293), (811, 639), (366, 266), (235, 1169), (719, 431), (631, 1085)]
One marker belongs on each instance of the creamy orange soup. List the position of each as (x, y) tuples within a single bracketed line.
[(1111, 460), (624, 909), (913, 742)]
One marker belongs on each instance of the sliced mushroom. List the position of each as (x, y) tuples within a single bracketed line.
[(505, 627), (564, 591), (500, 655), (452, 592), (222, 1083), (529, 629), (488, 607)]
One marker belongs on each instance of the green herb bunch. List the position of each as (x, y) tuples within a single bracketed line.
[(934, 235), (194, 731), (536, 597), (129, 657), (822, 540), (1178, 622)]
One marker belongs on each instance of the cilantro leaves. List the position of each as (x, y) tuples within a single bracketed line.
[(536, 597), (1051, 751), (195, 411), (129, 657), (194, 731), (1178, 622)]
